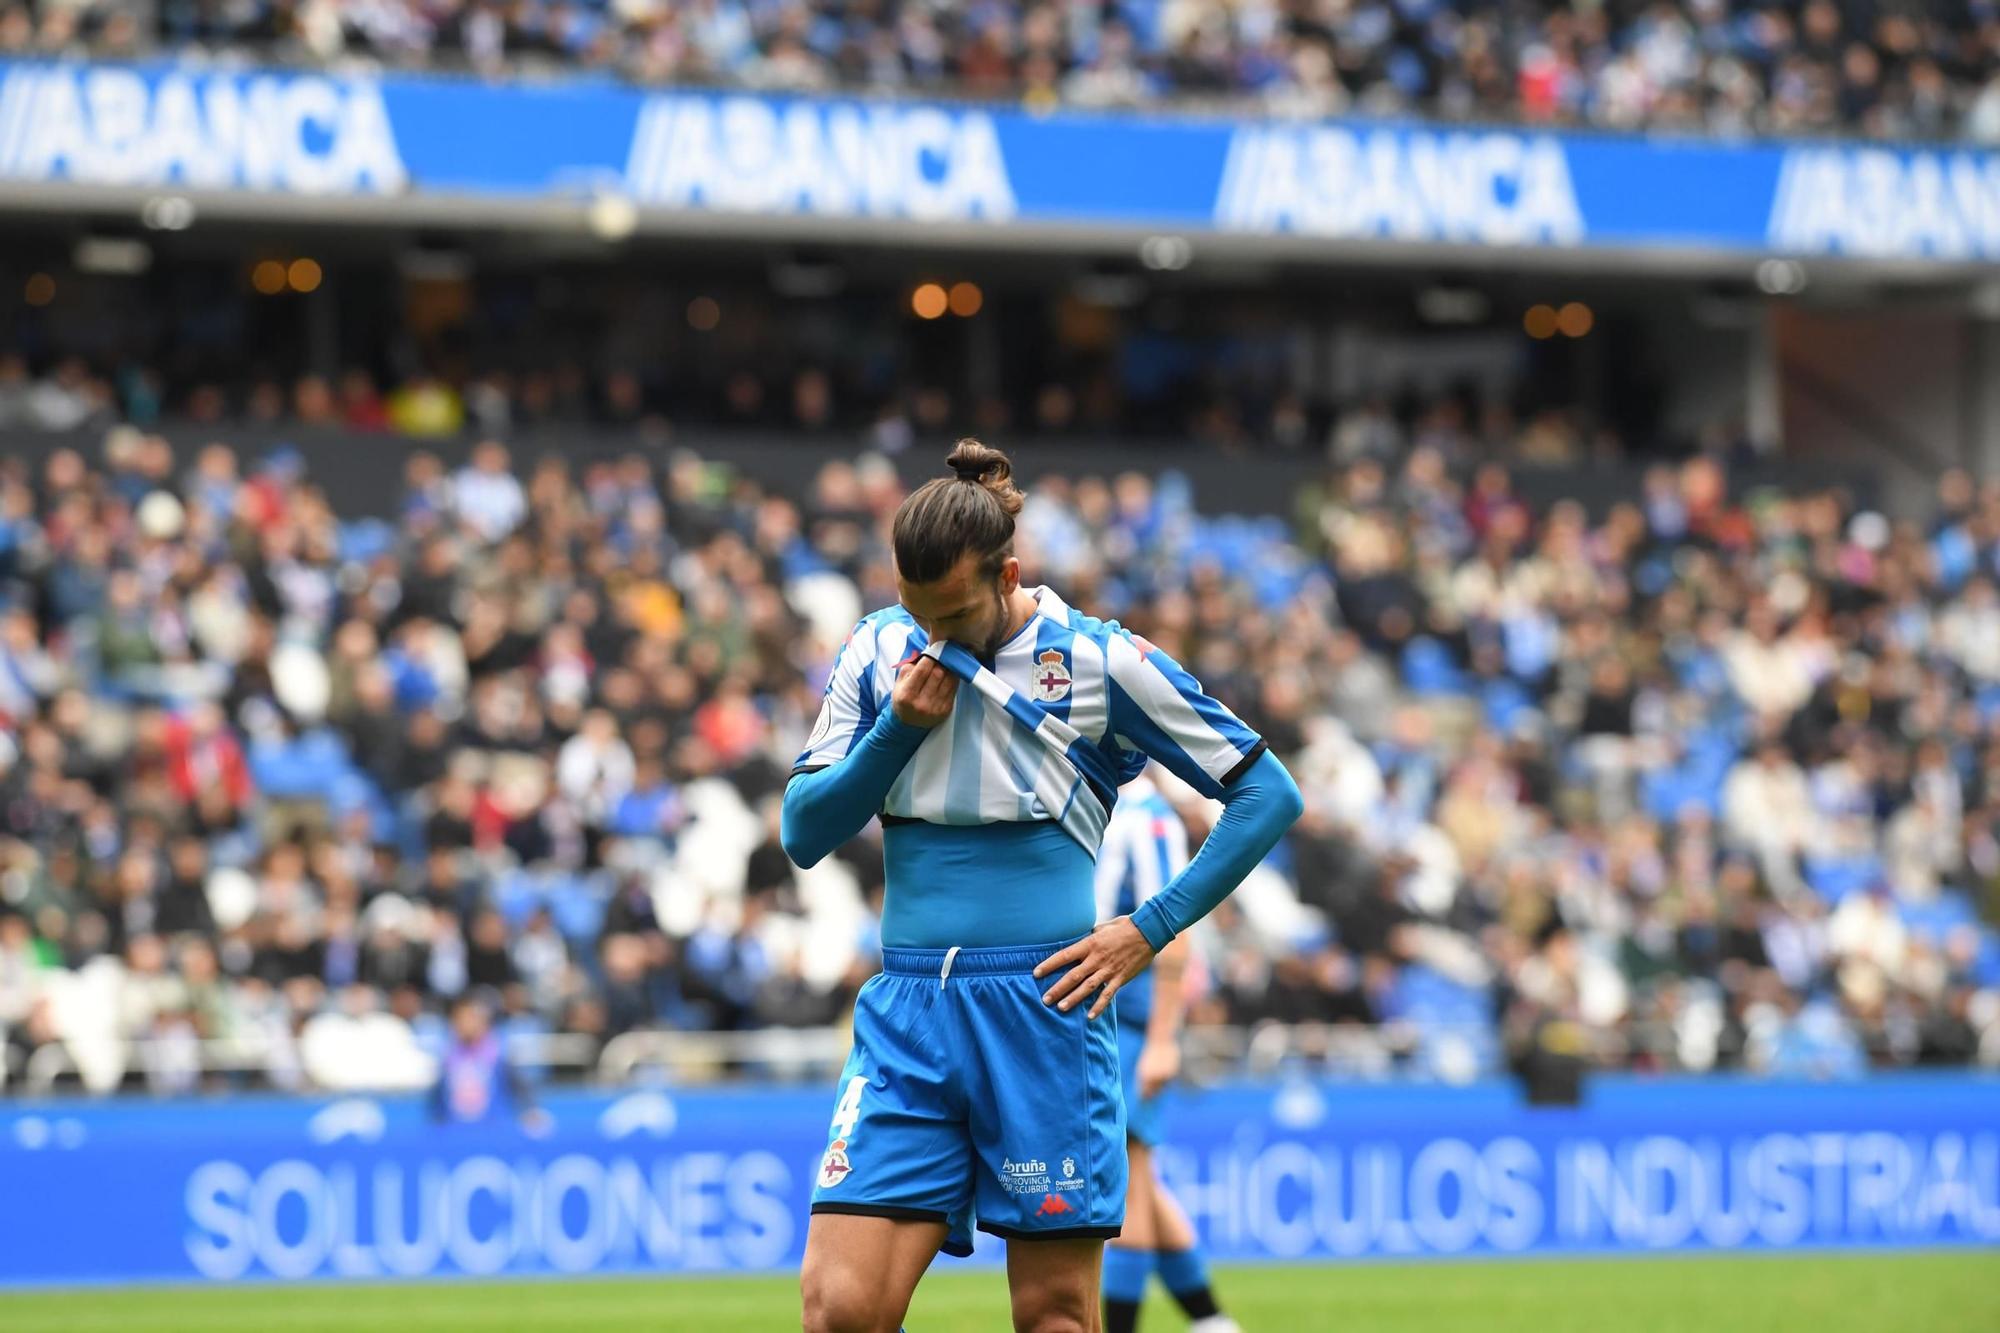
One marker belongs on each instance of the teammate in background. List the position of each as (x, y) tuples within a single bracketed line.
[(1145, 846), (990, 725)]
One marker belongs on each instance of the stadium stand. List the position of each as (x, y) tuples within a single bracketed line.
[(1693, 779), (1912, 69)]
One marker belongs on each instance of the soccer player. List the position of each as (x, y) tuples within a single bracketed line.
[(989, 725), (1145, 846)]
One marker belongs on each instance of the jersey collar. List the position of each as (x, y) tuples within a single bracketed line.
[(1048, 605)]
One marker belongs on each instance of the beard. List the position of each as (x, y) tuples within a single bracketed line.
[(996, 633)]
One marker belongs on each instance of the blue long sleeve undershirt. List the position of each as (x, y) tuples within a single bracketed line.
[(1257, 809), (825, 807)]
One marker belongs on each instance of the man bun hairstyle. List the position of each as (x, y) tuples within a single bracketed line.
[(971, 510)]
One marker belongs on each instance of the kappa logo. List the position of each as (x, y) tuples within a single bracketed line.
[(1053, 1206), (833, 1167), (1052, 680)]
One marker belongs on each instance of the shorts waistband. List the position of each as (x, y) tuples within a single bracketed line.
[(1012, 958)]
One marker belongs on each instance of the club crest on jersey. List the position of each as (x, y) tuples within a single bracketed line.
[(833, 1167), (1051, 676)]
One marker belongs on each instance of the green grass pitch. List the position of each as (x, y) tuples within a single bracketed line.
[(1823, 1293)]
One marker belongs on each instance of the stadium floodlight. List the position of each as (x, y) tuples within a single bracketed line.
[(167, 212), (117, 256), (1781, 277), (1452, 305), (434, 261), (612, 217), (807, 275), (1166, 253), (1109, 285)]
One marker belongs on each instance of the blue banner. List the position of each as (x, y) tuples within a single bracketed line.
[(1348, 181), (711, 1180)]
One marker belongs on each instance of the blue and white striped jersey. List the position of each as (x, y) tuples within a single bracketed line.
[(1145, 846), (1125, 699)]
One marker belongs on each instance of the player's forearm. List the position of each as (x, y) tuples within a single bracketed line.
[(1257, 809), (1163, 1024), (826, 807)]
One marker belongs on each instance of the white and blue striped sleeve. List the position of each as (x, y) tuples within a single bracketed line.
[(1161, 855), (1156, 707), (1114, 864), (849, 708)]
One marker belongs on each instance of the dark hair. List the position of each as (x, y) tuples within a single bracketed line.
[(971, 510)]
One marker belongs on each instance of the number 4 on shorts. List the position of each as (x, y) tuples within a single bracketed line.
[(848, 1112)]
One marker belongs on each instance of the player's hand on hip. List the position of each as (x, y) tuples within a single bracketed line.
[(924, 692), (1159, 1065), (1099, 964)]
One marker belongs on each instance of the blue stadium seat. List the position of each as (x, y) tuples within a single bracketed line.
[(1936, 919), (577, 904), (1428, 668), (365, 539), (1833, 878), (306, 767)]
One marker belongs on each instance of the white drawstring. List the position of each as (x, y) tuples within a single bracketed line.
[(945, 971)]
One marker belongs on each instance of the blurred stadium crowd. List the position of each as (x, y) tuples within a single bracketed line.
[(1906, 68), (1703, 780), (1212, 406)]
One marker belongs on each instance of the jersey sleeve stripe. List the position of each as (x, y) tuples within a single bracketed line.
[(1164, 854), (1243, 766), (849, 707)]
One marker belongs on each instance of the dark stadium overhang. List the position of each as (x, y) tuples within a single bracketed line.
[(571, 219)]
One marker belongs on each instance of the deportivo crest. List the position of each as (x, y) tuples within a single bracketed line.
[(1051, 676), (833, 1167)]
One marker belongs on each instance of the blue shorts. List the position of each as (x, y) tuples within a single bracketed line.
[(1142, 1114), (965, 1096)]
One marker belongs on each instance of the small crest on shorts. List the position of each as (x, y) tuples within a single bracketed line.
[(1051, 676), (1069, 1167), (833, 1167)]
